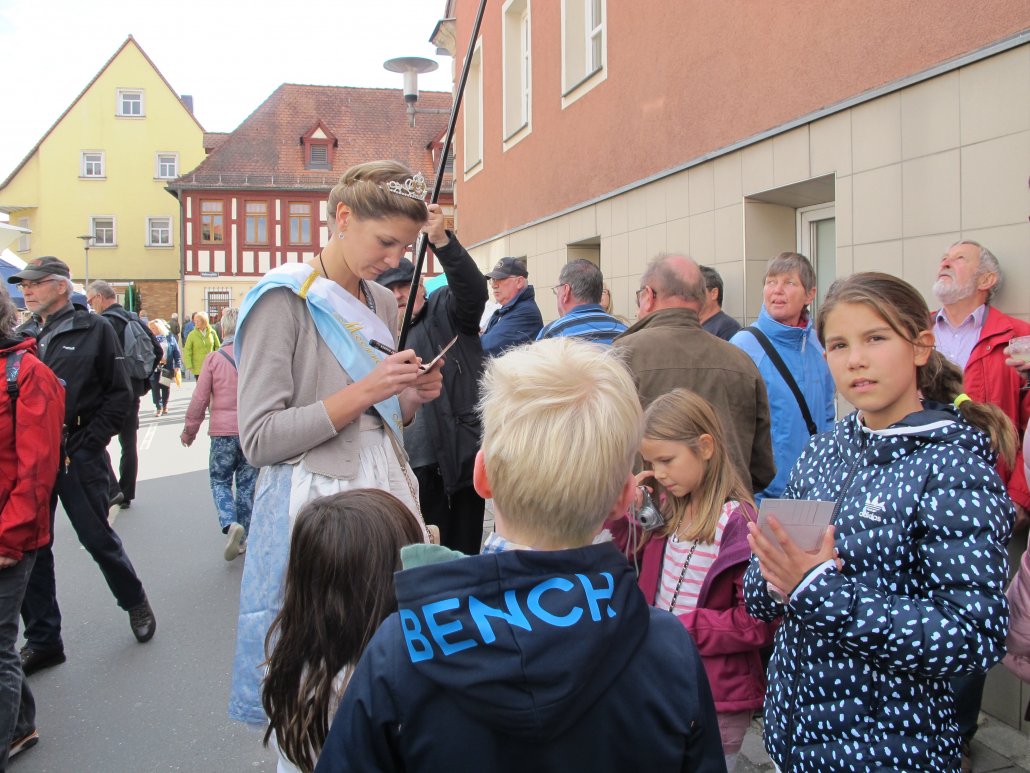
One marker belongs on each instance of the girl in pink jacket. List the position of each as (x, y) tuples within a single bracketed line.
[(693, 556), (216, 389)]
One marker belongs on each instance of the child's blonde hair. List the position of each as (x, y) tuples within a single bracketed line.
[(904, 309), (561, 427), (682, 416)]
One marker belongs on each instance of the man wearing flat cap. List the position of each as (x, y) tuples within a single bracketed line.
[(518, 320), (83, 351)]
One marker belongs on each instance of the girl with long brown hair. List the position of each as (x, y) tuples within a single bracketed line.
[(906, 589), (338, 589)]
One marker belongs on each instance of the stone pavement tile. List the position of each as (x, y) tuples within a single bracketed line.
[(999, 738), (752, 751)]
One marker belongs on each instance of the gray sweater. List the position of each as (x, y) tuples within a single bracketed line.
[(286, 370)]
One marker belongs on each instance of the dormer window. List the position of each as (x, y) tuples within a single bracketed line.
[(318, 144), (318, 155)]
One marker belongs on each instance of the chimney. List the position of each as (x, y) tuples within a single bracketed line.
[(187, 100)]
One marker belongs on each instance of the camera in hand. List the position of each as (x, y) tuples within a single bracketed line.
[(647, 514)]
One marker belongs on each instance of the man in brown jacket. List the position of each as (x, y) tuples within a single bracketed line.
[(667, 349)]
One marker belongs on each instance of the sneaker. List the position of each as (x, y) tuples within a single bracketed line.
[(27, 741), (142, 622), (232, 547), (33, 660)]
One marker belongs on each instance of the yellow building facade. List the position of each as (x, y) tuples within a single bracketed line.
[(101, 170)]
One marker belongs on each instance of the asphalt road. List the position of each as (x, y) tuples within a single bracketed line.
[(117, 706)]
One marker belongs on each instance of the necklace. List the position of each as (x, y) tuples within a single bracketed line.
[(683, 573), (362, 287)]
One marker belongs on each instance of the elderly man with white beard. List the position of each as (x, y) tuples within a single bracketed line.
[(974, 335)]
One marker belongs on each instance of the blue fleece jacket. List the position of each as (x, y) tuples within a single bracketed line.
[(803, 355)]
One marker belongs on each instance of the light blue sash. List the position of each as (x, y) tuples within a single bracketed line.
[(343, 322)]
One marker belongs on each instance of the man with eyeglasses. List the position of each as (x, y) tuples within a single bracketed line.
[(578, 295), (82, 350), (667, 349), (518, 320)]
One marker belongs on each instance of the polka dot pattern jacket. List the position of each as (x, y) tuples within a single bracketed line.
[(859, 677)]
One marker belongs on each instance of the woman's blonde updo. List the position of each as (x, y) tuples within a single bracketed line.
[(362, 189)]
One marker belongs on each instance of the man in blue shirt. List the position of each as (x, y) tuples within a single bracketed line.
[(578, 294), (518, 320)]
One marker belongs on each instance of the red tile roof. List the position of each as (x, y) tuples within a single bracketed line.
[(265, 151)]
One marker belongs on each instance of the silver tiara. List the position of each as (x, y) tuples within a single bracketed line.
[(414, 187)]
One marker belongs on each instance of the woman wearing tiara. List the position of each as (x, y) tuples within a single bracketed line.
[(320, 409)]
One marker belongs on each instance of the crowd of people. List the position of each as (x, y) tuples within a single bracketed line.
[(625, 612)]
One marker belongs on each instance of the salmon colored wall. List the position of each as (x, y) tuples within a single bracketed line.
[(687, 77)]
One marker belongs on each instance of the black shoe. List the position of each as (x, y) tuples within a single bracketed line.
[(126, 504), (117, 499), (33, 660), (142, 622), (27, 741)]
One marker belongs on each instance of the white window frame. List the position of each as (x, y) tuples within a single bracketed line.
[(83, 165), (580, 31), (151, 221), (157, 165), (24, 243), (517, 71), (93, 230), (807, 220), (119, 108), (473, 107)]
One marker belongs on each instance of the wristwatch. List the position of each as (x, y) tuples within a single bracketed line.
[(776, 594)]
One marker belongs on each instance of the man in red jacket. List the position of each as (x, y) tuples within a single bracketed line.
[(974, 335), (30, 450)]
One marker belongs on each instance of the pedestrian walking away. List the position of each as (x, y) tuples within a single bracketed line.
[(142, 353), (82, 350), (216, 393)]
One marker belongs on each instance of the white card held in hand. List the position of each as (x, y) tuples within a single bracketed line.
[(805, 520)]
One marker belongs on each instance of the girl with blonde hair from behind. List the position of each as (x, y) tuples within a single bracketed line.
[(693, 563)]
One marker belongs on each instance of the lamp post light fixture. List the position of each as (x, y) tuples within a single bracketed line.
[(87, 242), (410, 67)]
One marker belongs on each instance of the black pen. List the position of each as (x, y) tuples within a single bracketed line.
[(381, 347)]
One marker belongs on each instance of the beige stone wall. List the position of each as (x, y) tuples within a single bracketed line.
[(912, 172)]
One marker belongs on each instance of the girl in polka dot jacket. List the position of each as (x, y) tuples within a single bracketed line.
[(907, 587), (692, 563)]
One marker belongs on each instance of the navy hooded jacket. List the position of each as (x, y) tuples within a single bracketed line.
[(526, 661), (859, 677)]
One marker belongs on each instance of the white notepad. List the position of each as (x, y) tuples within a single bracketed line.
[(805, 520)]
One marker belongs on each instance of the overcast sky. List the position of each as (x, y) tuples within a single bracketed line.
[(230, 55)]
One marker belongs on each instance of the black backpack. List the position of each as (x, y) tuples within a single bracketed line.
[(137, 347), (12, 368)]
